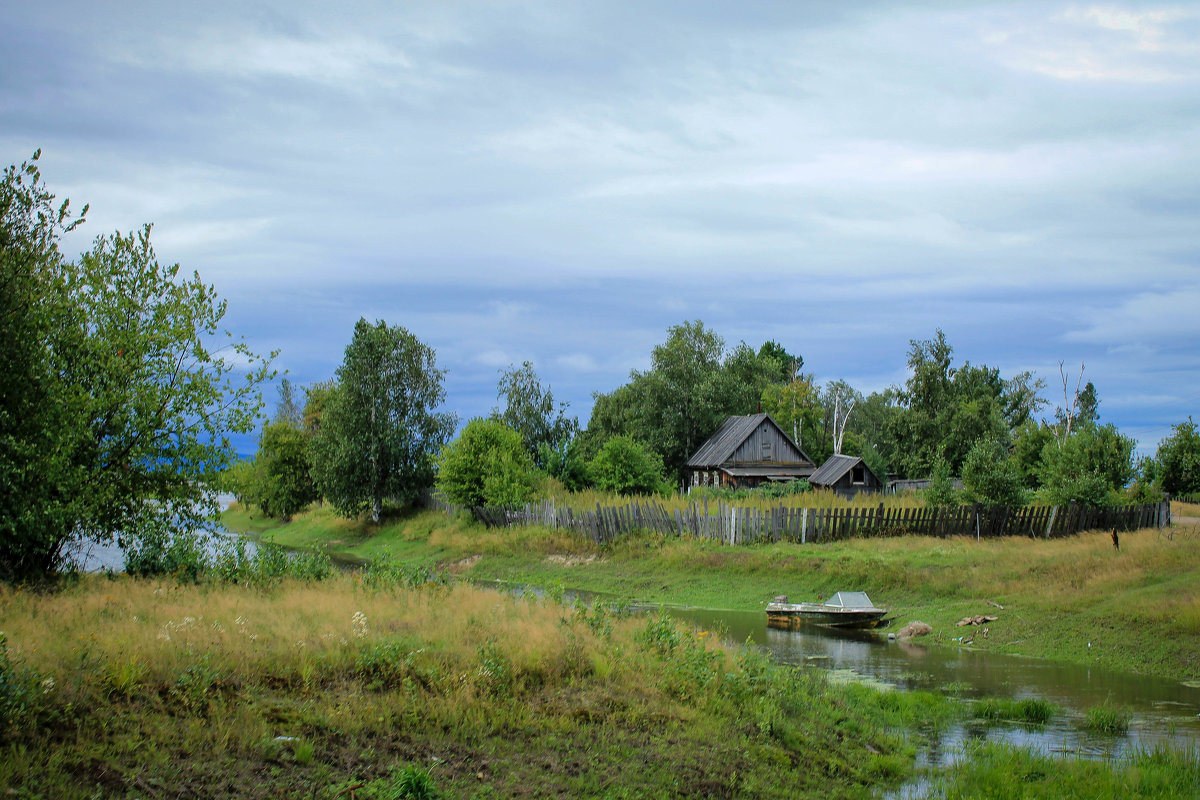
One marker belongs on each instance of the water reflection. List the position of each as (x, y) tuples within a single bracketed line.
[(1164, 711)]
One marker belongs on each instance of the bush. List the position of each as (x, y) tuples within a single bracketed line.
[(992, 477), (941, 492), (626, 467), (1087, 467), (487, 465)]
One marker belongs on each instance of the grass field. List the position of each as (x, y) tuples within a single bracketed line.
[(129, 687), (121, 687)]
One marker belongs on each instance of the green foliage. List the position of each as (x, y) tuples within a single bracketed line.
[(530, 410), (1089, 467), (233, 561), (197, 556), (1031, 710), (26, 697), (317, 398), (283, 471), (569, 465), (378, 436), (693, 384), (946, 410), (990, 476), (181, 554), (487, 465), (1106, 719), (385, 573), (1178, 460), (115, 410), (1029, 441), (626, 467), (992, 771), (796, 407), (413, 783), (788, 366), (941, 491)]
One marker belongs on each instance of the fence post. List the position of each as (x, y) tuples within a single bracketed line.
[(803, 525)]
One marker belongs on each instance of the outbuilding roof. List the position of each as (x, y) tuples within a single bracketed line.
[(832, 470)]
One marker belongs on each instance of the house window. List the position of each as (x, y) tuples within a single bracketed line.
[(858, 476)]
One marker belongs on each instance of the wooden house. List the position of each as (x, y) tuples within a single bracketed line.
[(745, 452), (846, 475)]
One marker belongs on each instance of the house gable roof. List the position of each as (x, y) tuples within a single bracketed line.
[(735, 430), (832, 470)]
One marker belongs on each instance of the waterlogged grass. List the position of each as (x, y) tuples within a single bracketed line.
[(1075, 599), (1032, 711), (1106, 719), (1007, 773), (114, 688)]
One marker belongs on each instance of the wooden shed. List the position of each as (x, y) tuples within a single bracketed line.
[(746, 452), (846, 475)]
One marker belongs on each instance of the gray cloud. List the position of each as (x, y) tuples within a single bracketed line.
[(560, 183)]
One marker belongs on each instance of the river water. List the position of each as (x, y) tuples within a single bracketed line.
[(1165, 712)]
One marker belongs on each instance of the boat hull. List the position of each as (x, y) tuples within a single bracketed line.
[(794, 614)]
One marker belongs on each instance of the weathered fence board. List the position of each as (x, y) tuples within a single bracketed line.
[(745, 525)]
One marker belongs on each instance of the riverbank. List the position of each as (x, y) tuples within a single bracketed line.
[(1077, 599), (118, 687)]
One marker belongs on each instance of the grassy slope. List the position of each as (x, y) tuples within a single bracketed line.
[(1139, 607), (144, 688)]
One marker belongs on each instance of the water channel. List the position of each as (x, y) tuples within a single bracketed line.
[(1165, 712)]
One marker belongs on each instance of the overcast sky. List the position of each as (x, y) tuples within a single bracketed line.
[(561, 182)]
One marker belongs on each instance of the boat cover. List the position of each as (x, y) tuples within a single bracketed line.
[(850, 600)]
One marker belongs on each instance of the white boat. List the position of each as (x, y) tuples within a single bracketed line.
[(843, 610)]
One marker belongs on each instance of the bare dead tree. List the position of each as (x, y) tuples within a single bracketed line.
[(840, 420), (1070, 403)]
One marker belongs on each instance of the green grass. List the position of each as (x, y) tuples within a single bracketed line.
[(1033, 711), (124, 687), (1138, 608), (1006, 773), (1106, 719)]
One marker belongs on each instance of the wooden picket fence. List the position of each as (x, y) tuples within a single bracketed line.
[(733, 524)]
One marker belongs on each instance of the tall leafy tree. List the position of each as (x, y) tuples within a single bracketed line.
[(1177, 465), (693, 383), (530, 410), (115, 406), (787, 365), (1089, 467), (381, 430), (945, 410), (796, 406), (288, 410), (284, 471)]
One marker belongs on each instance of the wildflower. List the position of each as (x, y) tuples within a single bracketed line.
[(359, 622), (48, 686)]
